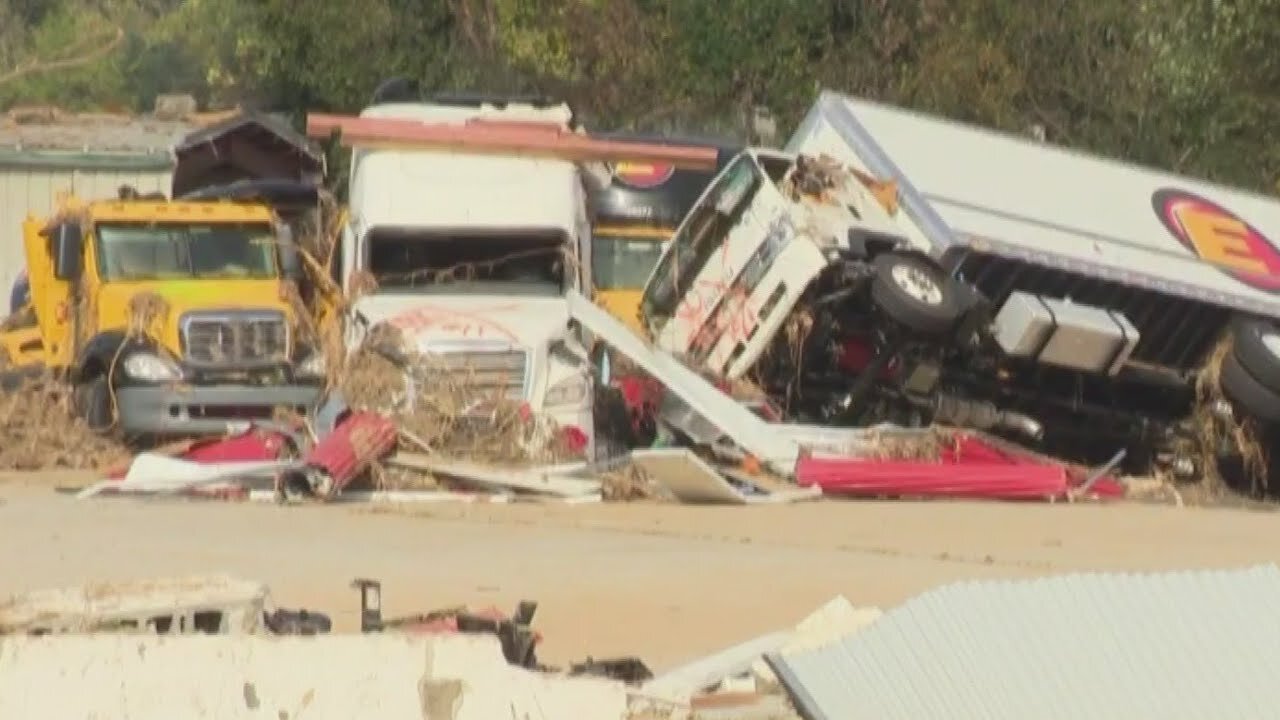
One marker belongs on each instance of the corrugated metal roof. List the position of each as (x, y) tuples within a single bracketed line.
[(1175, 645), (273, 123), (93, 133)]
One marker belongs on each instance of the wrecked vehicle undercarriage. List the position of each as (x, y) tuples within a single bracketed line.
[(799, 274)]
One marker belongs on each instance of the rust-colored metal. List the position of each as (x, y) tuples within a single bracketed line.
[(503, 137)]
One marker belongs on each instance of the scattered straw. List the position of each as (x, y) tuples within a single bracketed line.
[(1213, 432), (147, 313), (924, 445), (627, 484), (446, 407), (41, 432)]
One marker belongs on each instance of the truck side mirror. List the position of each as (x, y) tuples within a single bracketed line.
[(290, 258), (67, 246), (291, 262)]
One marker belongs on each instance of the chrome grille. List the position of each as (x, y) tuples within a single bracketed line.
[(235, 338), (484, 372), (1177, 333)]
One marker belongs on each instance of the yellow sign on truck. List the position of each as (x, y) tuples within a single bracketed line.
[(634, 214), (170, 318)]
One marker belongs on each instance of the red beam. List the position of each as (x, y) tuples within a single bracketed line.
[(503, 137)]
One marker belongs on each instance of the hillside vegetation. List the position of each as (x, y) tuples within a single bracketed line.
[(1190, 85)]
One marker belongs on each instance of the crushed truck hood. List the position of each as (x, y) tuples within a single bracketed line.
[(428, 320)]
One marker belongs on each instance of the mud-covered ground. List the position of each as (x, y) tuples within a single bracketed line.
[(665, 582)]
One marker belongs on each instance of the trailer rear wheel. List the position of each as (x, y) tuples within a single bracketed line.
[(1256, 345), (1247, 392), (915, 292)]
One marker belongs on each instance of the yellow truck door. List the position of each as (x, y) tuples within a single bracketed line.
[(50, 295)]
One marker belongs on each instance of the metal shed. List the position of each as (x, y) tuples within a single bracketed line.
[(45, 153)]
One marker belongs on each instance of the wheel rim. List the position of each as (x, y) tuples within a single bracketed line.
[(920, 286), (1271, 341)]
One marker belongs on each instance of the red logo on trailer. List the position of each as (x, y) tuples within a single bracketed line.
[(1218, 236), (643, 175)]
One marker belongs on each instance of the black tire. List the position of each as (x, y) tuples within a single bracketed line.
[(1249, 341), (94, 405), (612, 425), (907, 309), (1247, 392)]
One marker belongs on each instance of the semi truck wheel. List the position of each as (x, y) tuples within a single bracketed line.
[(1247, 391), (1256, 345), (915, 292), (94, 405)]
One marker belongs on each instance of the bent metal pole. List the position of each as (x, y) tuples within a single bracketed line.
[(505, 138)]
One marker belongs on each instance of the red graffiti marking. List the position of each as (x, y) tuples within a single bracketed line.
[(459, 323), (735, 317)]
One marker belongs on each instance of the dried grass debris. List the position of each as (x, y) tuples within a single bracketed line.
[(927, 445), (627, 484), (41, 432), (1214, 432), (147, 313), (449, 407)]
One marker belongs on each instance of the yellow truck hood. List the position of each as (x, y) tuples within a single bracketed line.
[(183, 296)]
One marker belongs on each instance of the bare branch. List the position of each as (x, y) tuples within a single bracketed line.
[(36, 66)]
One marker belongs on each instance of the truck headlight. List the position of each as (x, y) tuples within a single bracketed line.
[(569, 391), (149, 367), (313, 366)]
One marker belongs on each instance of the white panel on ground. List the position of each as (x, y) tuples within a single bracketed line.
[(742, 426)]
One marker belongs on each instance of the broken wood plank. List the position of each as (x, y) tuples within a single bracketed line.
[(488, 136)]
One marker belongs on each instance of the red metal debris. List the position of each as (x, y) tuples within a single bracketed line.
[(972, 469), (573, 439), (503, 137), (247, 447), (253, 445), (357, 442)]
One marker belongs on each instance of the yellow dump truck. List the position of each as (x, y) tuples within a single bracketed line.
[(169, 318), (633, 215)]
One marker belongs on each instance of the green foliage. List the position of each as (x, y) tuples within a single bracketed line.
[(1192, 85)]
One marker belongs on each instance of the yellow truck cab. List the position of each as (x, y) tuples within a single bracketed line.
[(633, 215), (170, 318)]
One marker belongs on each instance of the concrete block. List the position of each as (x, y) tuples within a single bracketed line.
[(389, 676), (494, 689), (197, 603)]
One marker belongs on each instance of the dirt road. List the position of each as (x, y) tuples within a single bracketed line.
[(662, 582)]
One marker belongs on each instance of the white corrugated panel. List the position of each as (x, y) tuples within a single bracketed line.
[(31, 190), (1193, 645)]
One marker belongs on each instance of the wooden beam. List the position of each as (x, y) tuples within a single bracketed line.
[(503, 138)]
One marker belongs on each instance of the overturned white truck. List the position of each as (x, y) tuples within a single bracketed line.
[(998, 283)]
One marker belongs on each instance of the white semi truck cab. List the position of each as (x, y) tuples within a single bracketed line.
[(473, 253)]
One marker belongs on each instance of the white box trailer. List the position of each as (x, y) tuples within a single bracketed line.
[(1178, 256), (1078, 256)]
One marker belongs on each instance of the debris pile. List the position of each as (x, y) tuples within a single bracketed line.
[(445, 412), (40, 431), (736, 682)]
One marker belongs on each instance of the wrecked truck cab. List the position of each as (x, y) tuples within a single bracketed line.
[(796, 273), (770, 229), (471, 254)]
